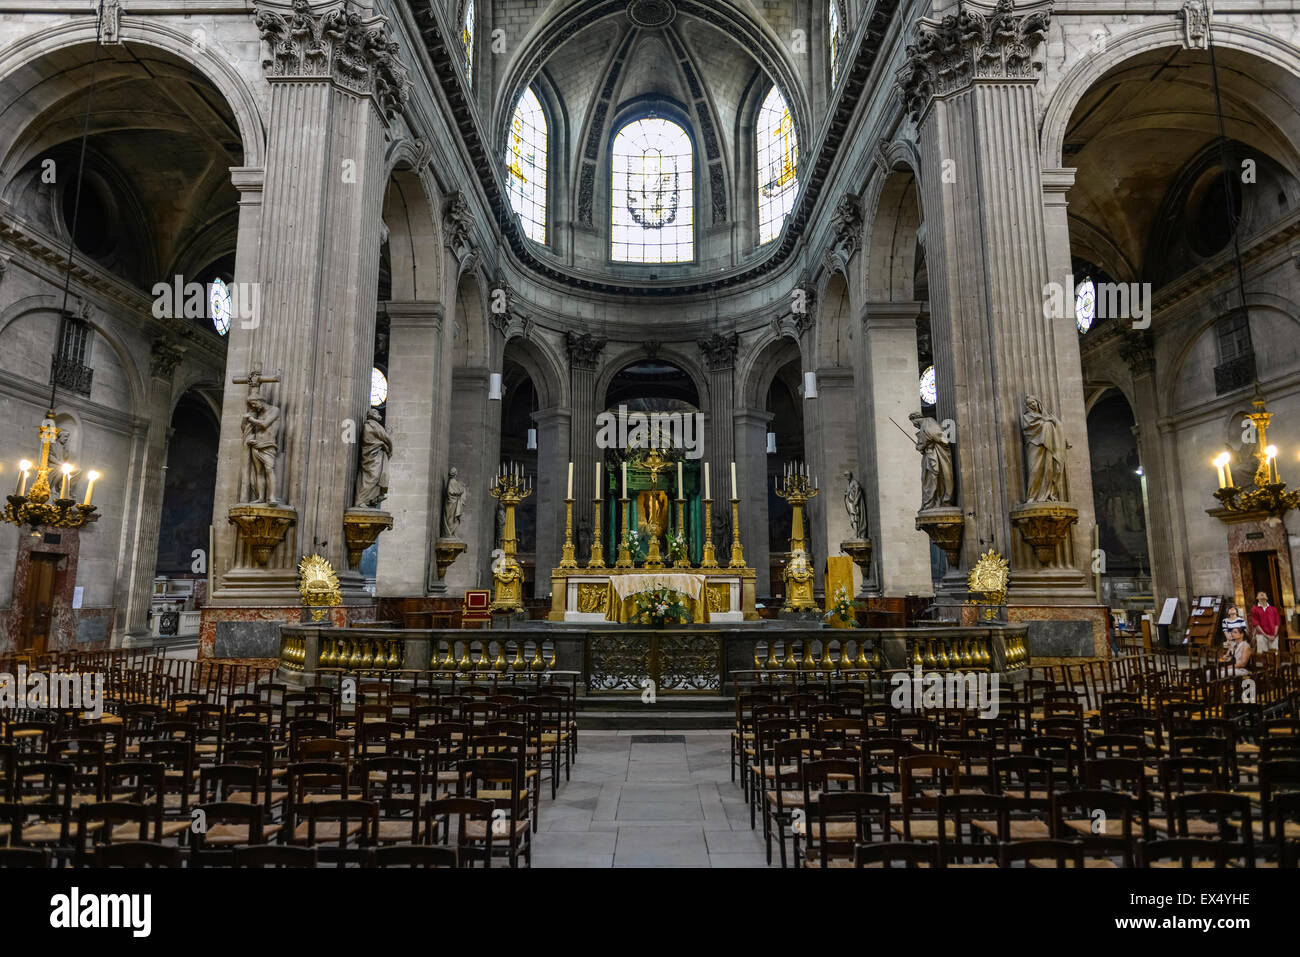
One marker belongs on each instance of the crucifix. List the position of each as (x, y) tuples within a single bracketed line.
[(260, 428)]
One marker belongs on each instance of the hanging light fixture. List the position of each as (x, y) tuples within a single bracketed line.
[(38, 506)]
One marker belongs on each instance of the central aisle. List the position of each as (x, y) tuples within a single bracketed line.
[(649, 799)]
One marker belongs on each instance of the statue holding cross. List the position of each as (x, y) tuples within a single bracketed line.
[(260, 428)]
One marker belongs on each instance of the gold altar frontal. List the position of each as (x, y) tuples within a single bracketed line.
[(717, 595)]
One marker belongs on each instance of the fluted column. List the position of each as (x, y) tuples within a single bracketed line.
[(719, 354), (553, 430), (584, 359), (414, 360), (144, 546), (970, 85), (333, 84), (751, 472)]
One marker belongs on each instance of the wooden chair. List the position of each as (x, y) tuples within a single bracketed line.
[(24, 856), (44, 795), (227, 825), (107, 822), (311, 782), (942, 768), (351, 823), (480, 777), (396, 786), (1101, 820), (786, 792), (137, 854), (413, 856), (844, 820), (1183, 852), (970, 843), (1038, 853), (896, 853), (472, 817)]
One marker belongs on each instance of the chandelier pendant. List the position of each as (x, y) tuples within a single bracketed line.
[(38, 506)]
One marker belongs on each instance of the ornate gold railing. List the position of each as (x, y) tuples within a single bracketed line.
[(675, 663)]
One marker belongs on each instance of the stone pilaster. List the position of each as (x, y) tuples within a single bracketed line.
[(584, 359), (719, 353), (474, 451), (751, 473), (334, 82), (970, 84), (414, 359), (144, 547), (553, 430), (890, 465)]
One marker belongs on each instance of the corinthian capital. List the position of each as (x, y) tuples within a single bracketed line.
[(946, 56), (336, 44), (719, 351)]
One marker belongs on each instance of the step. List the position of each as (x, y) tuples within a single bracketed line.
[(658, 720), (632, 702)]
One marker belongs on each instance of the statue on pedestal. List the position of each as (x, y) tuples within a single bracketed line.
[(937, 490), (855, 503), (376, 449), (1045, 447), (452, 507), (260, 428)]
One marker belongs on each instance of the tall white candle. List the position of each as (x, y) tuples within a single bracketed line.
[(733, 481), (625, 480), (681, 489), (570, 493), (707, 490), (597, 481)]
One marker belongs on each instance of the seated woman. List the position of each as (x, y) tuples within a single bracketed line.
[(1239, 652)]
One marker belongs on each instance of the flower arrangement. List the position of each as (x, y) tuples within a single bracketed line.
[(676, 546), (843, 607), (661, 606), (631, 539)]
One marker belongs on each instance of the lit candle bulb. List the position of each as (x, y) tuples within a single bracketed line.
[(24, 469), (90, 486), (1271, 452), (1221, 463), (66, 469), (707, 490)]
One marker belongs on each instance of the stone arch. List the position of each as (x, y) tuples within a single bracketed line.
[(472, 338), (835, 323), (413, 217), (544, 368), (1260, 44), (619, 361), (891, 240), (765, 359)]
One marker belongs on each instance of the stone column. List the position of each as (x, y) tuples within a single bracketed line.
[(584, 359), (719, 354), (751, 473), (144, 548), (414, 358), (890, 465), (334, 83), (553, 431), (969, 85), (474, 451)]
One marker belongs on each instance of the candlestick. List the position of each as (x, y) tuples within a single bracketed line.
[(597, 481), (90, 486), (708, 493), (733, 481), (567, 559), (624, 558), (63, 488), (569, 494), (710, 558), (683, 561), (597, 559)]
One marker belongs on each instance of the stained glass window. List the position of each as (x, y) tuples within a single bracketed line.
[(778, 165), (219, 306), (653, 204), (929, 390), (467, 39), (378, 388), (526, 165), (1085, 304), (835, 35)]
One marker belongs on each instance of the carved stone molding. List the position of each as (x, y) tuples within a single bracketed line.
[(336, 44), (720, 351), (1195, 15), (949, 55), (584, 350), (458, 230), (164, 357), (507, 317), (110, 33), (847, 226), (1138, 352)]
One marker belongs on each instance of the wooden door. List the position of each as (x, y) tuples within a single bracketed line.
[(38, 603)]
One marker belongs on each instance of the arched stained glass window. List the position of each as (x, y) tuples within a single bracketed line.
[(778, 165), (835, 33), (467, 39), (652, 219), (526, 165)]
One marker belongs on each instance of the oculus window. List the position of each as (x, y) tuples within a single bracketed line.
[(652, 219), (778, 165), (526, 166)]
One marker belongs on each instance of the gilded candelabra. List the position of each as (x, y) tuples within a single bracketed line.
[(1268, 493), (510, 488), (710, 559), (567, 559), (32, 507), (737, 554), (597, 550), (624, 558), (797, 489), (683, 560)]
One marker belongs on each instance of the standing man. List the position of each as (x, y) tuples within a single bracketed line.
[(1265, 623)]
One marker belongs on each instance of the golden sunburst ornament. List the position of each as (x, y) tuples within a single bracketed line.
[(318, 586), (989, 578)]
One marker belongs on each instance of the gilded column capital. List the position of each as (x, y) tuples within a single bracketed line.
[(337, 44), (950, 54)]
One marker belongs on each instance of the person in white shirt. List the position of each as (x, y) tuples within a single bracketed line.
[(1232, 620)]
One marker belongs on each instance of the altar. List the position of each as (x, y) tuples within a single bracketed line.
[(717, 595)]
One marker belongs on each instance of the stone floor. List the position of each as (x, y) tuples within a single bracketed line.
[(631, 804)]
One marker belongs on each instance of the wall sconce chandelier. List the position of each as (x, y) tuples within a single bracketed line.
[(38, 506), (1267, 494)]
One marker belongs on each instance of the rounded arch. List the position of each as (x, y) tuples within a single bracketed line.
[(543, 366), (413, 217), (471, 336), (20, 69), (1076, 83), (895, 216), (131, 370), (639, 353), (768, 356), (834, 323)]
